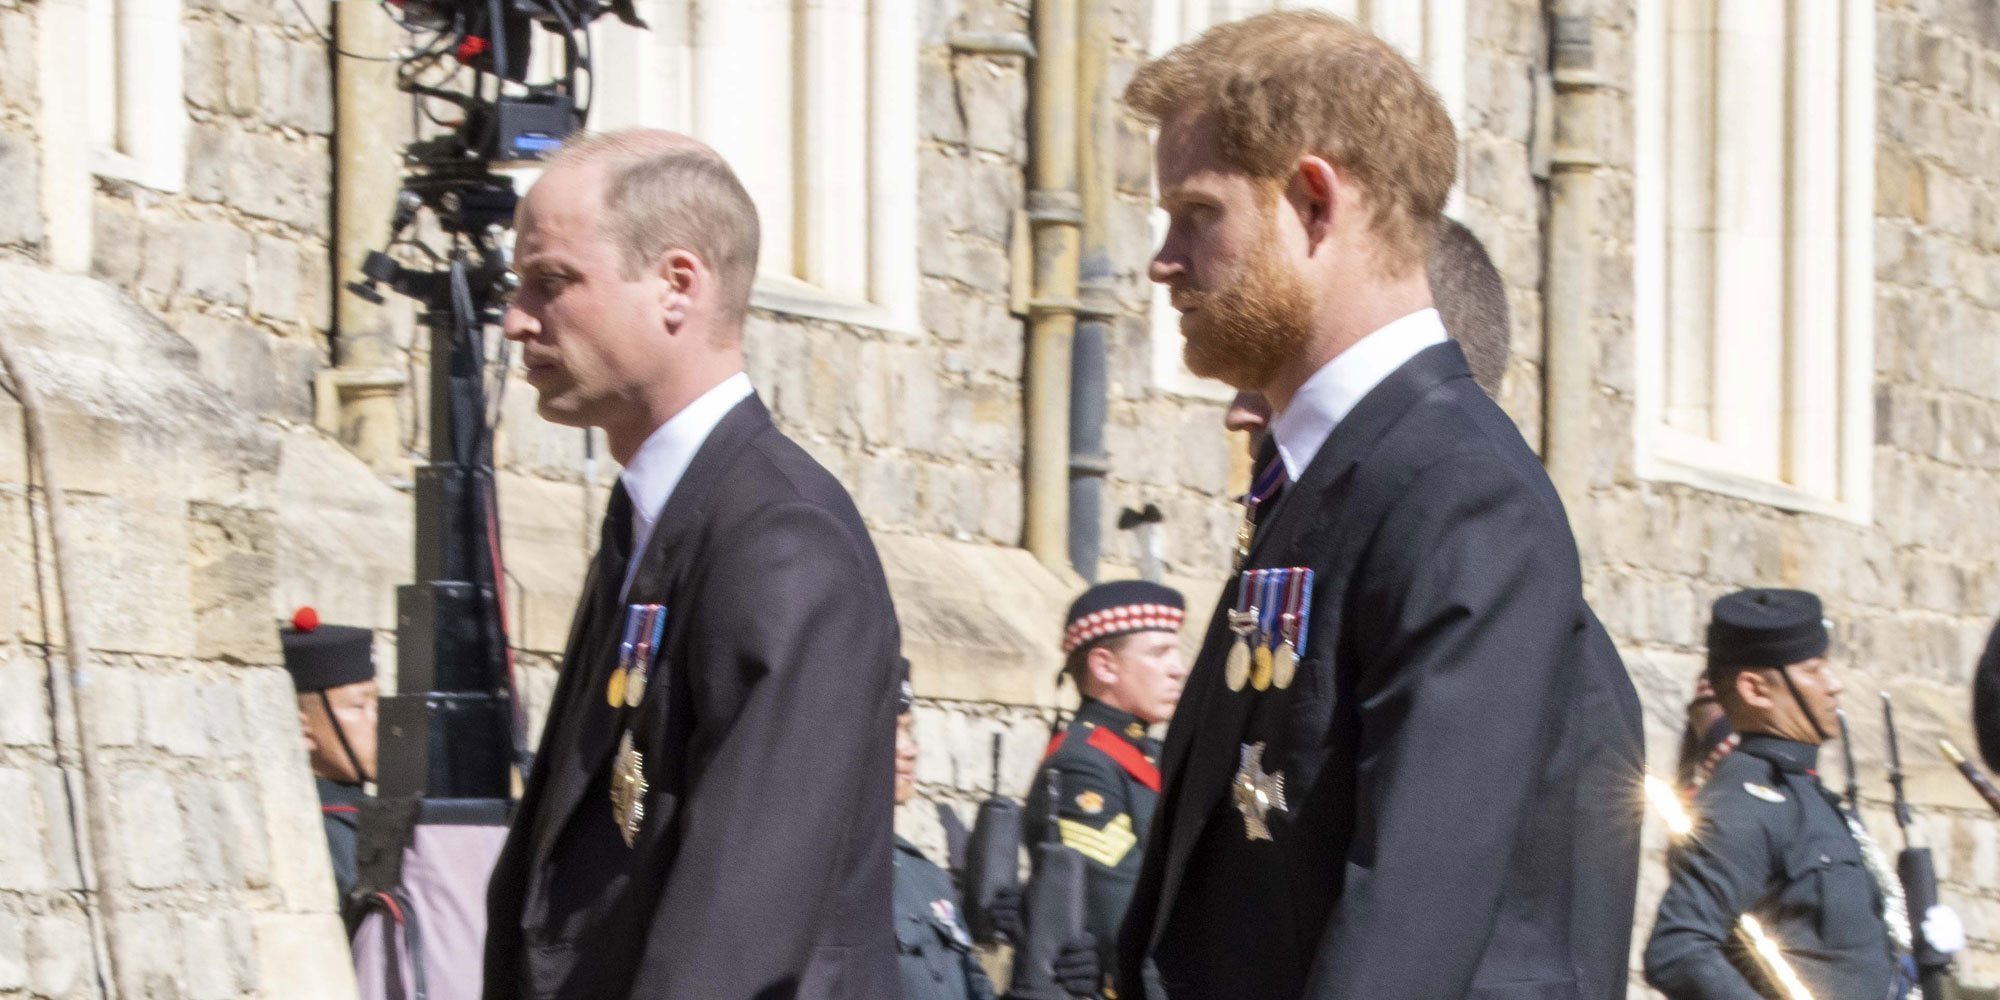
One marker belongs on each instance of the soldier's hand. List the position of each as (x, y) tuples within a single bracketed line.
[(1076, 967), (1006, 914), (1943, 930)]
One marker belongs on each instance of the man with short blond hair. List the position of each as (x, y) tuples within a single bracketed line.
[(1405, 765), (709, 813)]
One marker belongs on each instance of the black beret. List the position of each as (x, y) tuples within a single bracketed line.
[(1119, 608), (1764, 628), (1986, 701), (322, 657)]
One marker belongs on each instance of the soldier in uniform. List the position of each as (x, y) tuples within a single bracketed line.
[(333, 670), (1770, 840), (1122, 649), (934, 945)]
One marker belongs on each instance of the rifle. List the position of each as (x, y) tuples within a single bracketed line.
[(1847, 755), (1916, 871), (1053, 909), (992, 856), (1980, 782)]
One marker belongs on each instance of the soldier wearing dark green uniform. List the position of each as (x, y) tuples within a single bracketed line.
[(1770, 840), (1122, 644), (333, 670), (934, 949)]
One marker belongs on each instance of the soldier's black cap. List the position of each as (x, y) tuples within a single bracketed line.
[(1764, 628), (322, 657), (1986, 701), (1121, 607), (906, 696)]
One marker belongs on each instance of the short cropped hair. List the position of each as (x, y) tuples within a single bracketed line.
[(1283, 85), (664, 191), (1077, 663), (1471, 298)]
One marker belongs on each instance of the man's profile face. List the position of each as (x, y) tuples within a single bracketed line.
[(1780, 713), (1148, 673), (354, 708), (590, 335), (1229, 260)]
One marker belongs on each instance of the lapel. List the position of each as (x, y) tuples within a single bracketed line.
[(1296, 534), (590, 738)]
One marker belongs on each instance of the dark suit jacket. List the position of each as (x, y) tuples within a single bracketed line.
[(763, 868), (1461, 749)]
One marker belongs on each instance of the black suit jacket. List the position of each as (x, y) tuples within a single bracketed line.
[(1461, 748), (763, 868)]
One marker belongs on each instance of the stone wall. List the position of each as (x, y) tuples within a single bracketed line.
[(926, 428)]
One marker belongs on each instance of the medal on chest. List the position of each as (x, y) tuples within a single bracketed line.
[(1243, 619), (645, 625), (1256, 793), (1262, 490), (1292, 627)]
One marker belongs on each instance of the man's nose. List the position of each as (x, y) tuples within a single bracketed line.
[(1163, 270), (516, 324)]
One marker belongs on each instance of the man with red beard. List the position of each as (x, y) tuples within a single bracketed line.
[(1405, 765)]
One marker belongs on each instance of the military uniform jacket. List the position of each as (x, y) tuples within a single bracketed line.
[(1770, 841), (935, 949), (763, 865), (1460, 750), (1108, 772), (340, 813)]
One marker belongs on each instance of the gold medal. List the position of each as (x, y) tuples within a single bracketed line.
[(1236, 670), (628, 789), (1284, 665), (1260, 676), (614, 692)]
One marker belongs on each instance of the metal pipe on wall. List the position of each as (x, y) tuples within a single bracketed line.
[(1054, 216), (1089, 375), (358, 400), (1569, 290)]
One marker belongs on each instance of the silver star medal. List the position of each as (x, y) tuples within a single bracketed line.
[(1257, 793)]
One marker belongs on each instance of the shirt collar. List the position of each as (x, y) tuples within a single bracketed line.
[(1332, 392), (657, 467)]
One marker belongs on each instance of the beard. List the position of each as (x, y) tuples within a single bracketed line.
[(1244, 332)]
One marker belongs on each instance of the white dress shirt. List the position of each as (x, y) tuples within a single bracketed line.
[(656, 468), (1330, 394)]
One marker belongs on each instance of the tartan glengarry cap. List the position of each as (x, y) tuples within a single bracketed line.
[(1765, 628), (1119, 608)]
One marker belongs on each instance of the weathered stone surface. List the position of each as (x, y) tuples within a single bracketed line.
[(24, 858), (152, 847), (58, 953), (20, 191)]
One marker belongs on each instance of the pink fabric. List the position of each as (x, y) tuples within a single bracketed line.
[(444, 878)]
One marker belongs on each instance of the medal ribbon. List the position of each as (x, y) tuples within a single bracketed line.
[(1266, 483), (1244, 581), (1271, 605), (1294, 588), (1303, 611)]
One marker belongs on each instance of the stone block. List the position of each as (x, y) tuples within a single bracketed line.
[(20, 191), (147, 953), (58, 952), (215, 262), (135, 538), (939, 116), (24, 862), (116, 243), (237, 358), (241, 823), (13, 952), (24, 703), (283, 180), (17, 58), (301, 956), (292, 832), (232, 555), (205, 59), (212, 965), (211, 157), (240, 87), (994, 97), (111, 705), (275, 288), (59, 789), (294, 84), (152, 848), (209, 842), (222, 716), (316, 287)]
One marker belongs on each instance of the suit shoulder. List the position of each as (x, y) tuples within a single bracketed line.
[(1745, 792), (1456, 432)]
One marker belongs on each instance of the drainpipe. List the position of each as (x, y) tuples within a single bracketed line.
[(1054, 216), (1569, 291), (1089, 379), (357, 400)]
